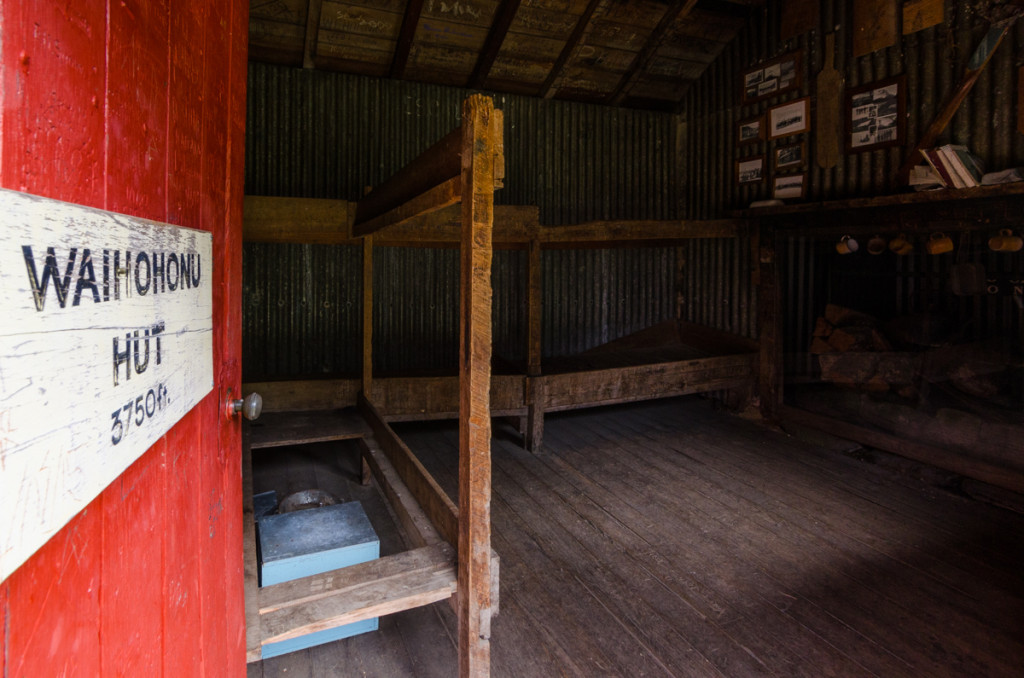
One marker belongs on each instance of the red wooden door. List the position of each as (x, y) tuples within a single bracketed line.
[(137, 107)]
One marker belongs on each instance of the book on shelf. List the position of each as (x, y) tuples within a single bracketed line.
[(955, 166)]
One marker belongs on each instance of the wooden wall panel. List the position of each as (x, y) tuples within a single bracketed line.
[(141, 111)]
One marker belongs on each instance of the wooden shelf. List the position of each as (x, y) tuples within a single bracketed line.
[(899, 199)]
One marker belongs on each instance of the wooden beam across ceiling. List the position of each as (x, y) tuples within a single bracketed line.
[(312, 30), (572, 46), (503, 19), (675, 10), (405, 37)]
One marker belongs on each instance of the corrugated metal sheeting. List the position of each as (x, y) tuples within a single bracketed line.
[(328, 135), (933, 61), (591, 297), (717, 289)]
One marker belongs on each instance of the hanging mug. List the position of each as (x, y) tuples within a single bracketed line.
[(1006, 241), (939, 243), (846, 245), (876, 245), (900, 245)]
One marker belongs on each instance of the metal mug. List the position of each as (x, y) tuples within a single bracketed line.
[(1006, 241), (939, 243), (846, 245), (900, 245)]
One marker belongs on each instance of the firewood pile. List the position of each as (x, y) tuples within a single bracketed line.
[(853, 351)]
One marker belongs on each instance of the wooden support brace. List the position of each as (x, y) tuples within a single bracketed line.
[(431, 200), (435, 166), (438, 506)]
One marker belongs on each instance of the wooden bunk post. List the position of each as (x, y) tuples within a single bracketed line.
[(769, 306), (534, 386), (367, 333), (474, 569)]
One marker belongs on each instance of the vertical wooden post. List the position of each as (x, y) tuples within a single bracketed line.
[(367, 315), (769, 323), (534, 387), (474, 569), (367, 334)]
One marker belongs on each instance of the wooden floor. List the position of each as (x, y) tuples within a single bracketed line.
[(666, 539)]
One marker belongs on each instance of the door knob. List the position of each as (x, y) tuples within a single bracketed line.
[(249, 407)]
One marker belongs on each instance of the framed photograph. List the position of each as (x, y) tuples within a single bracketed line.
[(876, 115), (750, 170), (750, 131), (792, 117), (790, 157), (777, 76), (789, 186)]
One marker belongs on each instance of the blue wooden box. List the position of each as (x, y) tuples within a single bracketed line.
[(308, 542)]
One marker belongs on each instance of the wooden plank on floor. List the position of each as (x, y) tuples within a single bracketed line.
[(394, 568), (376, 588), (278, 429)]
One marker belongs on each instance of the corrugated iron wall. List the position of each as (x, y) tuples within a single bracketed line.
[(328, 135), (933, 61), (591, 297), (717, 288)]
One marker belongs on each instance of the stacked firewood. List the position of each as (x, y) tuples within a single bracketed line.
[(853, 352)]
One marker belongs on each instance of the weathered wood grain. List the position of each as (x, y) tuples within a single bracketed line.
[(78, 282), (304, 220)]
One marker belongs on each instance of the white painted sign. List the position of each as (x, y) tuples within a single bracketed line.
[(106, 330)]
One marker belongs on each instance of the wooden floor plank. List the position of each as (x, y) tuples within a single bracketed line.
[(665, 538)]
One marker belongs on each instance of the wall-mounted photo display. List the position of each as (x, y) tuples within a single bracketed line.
[(792, 117), (791, 157), (749, 131), (789, 186), (777, 76), (750, 170), (875, 115)]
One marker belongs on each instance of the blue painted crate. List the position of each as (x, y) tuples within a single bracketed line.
[(308, 542)]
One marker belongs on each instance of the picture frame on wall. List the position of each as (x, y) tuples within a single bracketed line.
[(792, 117), (778, 76), (789, 186), (790, 157), (875, 115), (751, 130), (750, 170)]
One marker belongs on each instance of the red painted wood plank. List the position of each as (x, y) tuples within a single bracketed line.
[(185, 138), (53, 98), (53, 602), (182, 653), (136, 164), (131, 591)]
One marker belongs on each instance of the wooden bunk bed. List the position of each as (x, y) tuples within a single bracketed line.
[(451, 556), (695, 359)]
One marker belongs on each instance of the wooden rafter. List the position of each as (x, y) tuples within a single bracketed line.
[(503, 18), (405, 37), (312, 28), (572, 47), (675, 10)]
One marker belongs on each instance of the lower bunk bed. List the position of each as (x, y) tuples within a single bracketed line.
[(670, 359)]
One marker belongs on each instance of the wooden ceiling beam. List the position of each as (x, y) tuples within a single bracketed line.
[(313, 8), (405, 37), (572, 47), (675, 10), (503, 19)]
